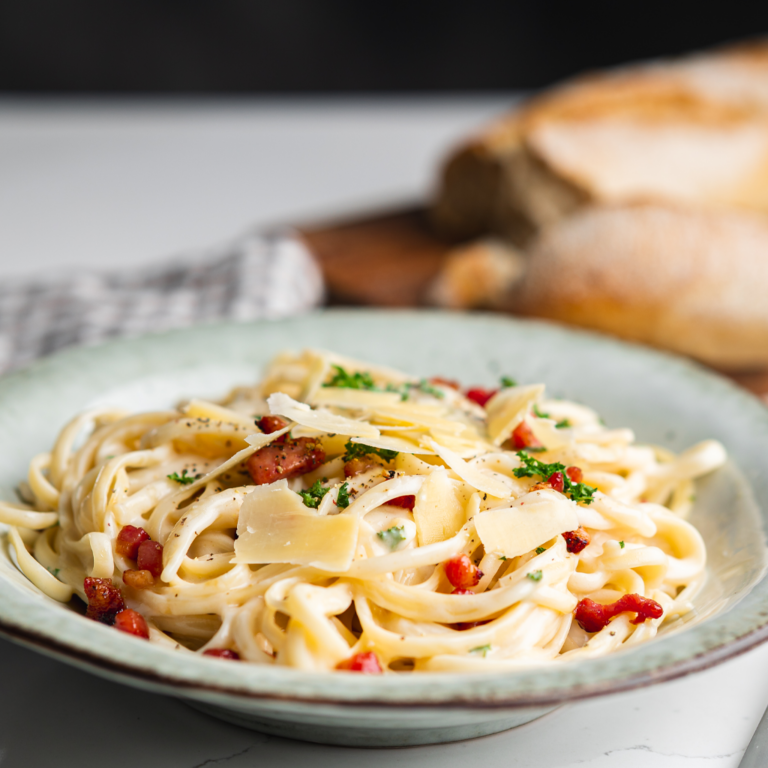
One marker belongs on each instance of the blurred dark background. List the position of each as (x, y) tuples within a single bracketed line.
[(341, 46)]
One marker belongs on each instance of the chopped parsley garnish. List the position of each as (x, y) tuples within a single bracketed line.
[(404, 390), (481, 649), (342, 500), (358, 451), (539, 550), (535, 575), (503, 557), (507, 382), (621, 544), (393, 536), (579, 492), (184, 478), (54, 571), (363, 380), (345, 380), (314, 495), (425, 387)]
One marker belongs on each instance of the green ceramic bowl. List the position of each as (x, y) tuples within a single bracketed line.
[(664, 399)]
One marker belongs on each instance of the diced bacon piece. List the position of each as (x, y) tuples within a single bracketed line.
[(150, 557), (523, 437), (105, 600), (139, 579), (132, 622), (593, 617), (440, 381), (128, 541), (557, 481), (270, 424), (357, 465), (461, 626), (479, 395), (462, 572), (407, 502), (575, 475), (576, 540), (367, 663), (288, 459), (461, 591), (222, 653)]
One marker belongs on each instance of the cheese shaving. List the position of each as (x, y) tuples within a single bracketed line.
[(508, 407), (282, 405)]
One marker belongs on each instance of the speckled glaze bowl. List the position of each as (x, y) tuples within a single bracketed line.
[(666, 400)]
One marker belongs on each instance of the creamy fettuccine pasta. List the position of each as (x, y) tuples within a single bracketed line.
[(341, 515)]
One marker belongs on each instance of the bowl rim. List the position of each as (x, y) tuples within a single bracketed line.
[(116, 656)]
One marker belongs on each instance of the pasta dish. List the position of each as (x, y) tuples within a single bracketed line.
[(341, 515)]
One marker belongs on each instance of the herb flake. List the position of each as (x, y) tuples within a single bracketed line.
[(539, 550), (579, 492), (342, 500), (621, 544), (184, 478), (358, 451), (314, 495), (393, 536), (482, 649), (535, 575), (507, 382), (345, 380)]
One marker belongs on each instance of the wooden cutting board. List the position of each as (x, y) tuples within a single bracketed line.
[(386, 259), (389, 258)]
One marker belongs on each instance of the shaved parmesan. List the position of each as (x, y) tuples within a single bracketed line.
[(282, 405), (393, 444), (419, 415), (275, 527), (466, 447), (201, 409), (508, 407), (260, 439), (526, 524), (483, 480), (317, 371), (548, 433), (410, 465), (438, 512), (354, 398)]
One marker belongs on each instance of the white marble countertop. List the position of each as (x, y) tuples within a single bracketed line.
[(108, 185)]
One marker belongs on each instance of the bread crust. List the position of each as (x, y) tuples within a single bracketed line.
[(693, 281), (693, 131)]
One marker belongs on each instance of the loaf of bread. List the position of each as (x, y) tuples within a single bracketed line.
[(640, 197)]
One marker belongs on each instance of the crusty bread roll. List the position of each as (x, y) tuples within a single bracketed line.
[(640, 197), (694, 282), (691, 131)]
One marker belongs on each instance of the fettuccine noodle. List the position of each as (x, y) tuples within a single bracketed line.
[(372, 522)]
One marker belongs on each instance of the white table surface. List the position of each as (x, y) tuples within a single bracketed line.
[(104, 185)]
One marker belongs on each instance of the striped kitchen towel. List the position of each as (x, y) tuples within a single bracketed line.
[(261, 275)]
